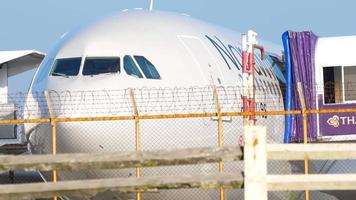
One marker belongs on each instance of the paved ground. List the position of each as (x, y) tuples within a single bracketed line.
[(20, 177)]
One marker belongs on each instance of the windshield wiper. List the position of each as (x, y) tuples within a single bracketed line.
[(60, 74)]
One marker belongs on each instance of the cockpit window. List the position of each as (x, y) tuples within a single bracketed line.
[(131, 68), (95, 66), (66, 67), (147, 68)]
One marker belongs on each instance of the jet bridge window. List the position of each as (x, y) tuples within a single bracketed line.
[(147, 68), (131, 68), (339, 84), (96, 66), (66, 67), (350, 83), (333, 91)]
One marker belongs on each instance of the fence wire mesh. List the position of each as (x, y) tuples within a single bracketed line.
[(162, 118)]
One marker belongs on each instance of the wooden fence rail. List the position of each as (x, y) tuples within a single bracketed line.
[(255, 179), (330, 151), (121, 159), (315, 182), (89, 188)]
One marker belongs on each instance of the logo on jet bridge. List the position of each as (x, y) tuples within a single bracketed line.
[(336, 121)]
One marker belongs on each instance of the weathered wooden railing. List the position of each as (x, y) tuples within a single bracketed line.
[(116, 161), (256, 181)]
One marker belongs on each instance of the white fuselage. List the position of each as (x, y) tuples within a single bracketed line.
[(191, 57)]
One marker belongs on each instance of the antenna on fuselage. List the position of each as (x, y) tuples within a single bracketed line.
[(151, 5)]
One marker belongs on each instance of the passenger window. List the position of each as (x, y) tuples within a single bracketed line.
[(95, 66), (131, 68), (66, 67), (147, 68)]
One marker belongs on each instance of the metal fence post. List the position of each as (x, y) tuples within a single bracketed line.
[(220, 136), (305, 131), (255, 161), (137, 134), (54, 134)]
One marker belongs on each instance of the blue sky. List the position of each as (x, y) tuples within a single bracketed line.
[(37, 24)]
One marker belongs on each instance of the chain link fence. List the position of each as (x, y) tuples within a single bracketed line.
[(161, 118)]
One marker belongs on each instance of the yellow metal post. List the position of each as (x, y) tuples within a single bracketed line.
[(137, 134), (54, 150), (305, 130), (220, 136), (54, 134)]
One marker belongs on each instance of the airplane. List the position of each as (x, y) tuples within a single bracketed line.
[(173, 62)]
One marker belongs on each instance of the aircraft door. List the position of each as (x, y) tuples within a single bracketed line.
[(203, 58)]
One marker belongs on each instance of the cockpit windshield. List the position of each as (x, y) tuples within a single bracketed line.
[(136, 66), (131, 68), (95, 66), (147, 68), (66, 67)]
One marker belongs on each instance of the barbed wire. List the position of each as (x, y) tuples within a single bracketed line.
[(153, 101)]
